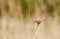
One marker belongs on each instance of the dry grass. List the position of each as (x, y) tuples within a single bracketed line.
[(18, 29)]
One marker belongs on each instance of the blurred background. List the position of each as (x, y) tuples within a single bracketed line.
[(17, 19)]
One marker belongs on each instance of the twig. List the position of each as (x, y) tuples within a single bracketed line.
[(37, 31)]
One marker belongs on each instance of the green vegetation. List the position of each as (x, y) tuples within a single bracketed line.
[(7, 8), (0, 10), (28, 6), (24, 5)]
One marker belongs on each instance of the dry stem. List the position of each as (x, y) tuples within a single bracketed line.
[(37, 31)]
